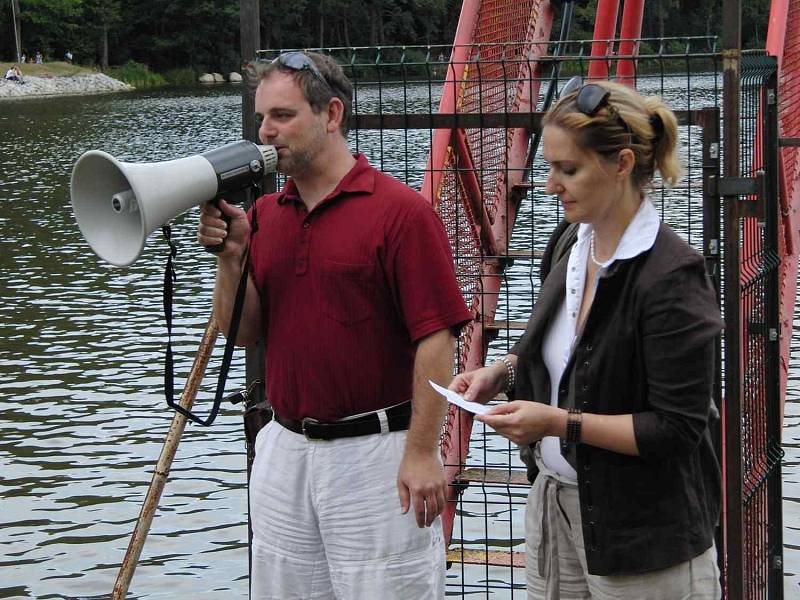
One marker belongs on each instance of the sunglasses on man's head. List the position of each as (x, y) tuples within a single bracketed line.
[(298, 61)]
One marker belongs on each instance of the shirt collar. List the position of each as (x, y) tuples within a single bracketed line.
[(639, 236), (359, 179)]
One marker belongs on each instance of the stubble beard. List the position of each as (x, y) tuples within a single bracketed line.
[(301, 159), (296, 163)]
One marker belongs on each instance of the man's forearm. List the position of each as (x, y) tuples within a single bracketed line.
[(434, 361), (229, 273)]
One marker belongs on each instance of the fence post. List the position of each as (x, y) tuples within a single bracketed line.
[(733, 579), (772, 319)]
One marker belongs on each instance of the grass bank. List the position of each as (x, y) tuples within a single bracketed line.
[(48, 69), (132, 73)]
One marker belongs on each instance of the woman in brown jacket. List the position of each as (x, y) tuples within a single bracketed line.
[(614, 371)]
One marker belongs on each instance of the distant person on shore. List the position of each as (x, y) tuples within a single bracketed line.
[(23, 58), (68, 56), (352, 291), (14, 74), (38, 58)]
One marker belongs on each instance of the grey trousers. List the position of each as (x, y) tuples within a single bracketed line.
[(556, 560)]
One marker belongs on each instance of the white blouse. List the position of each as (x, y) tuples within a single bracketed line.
[(562, 335)]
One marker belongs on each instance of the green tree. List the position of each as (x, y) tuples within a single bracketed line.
[(102, 16), (204, 34), (48, 24)]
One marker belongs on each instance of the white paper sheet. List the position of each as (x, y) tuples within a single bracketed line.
[(453, 398)]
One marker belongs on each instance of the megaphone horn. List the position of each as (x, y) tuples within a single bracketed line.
[(117, 204)]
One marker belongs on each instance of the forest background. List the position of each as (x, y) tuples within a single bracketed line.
[(203, 35)]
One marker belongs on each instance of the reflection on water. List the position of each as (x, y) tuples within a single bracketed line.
[(82, 417)]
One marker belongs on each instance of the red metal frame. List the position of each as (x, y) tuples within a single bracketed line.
[(605, 27), (630, 32), (480, 168), (783, 42)]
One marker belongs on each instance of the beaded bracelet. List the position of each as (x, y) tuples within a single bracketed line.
[(574, 422), (509, 374)]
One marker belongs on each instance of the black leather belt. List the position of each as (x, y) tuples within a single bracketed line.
[(395, 418)]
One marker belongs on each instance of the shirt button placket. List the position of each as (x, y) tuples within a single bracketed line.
[(301, 261)]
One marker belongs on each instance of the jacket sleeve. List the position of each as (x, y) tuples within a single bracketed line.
[(680, 322)]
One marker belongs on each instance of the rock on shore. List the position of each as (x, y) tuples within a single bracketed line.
[(94, 83)]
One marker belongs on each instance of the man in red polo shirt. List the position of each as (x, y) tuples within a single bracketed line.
[(352, 291)]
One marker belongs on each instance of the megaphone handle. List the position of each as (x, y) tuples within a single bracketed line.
[(217, 248)]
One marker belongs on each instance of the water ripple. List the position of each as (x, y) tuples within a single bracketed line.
[(82, 413)]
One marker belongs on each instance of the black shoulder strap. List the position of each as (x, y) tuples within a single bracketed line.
[(562, 239), (233, 329), (568, 237)]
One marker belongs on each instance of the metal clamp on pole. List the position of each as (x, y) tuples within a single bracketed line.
[(750, 192)]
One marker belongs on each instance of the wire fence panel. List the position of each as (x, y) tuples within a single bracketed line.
[(459, 123), (753, 437)]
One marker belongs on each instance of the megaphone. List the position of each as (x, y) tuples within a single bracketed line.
[(117, 204)]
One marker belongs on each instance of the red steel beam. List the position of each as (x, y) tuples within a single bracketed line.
[(605, 26), (455, 441), (630, 32), (449, 104)]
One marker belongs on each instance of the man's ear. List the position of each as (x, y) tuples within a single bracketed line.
[(626, 161), (335, 114)]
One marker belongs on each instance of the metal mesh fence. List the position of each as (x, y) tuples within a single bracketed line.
[(490, 197), (757, 441)]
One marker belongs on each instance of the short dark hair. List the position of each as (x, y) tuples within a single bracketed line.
[(316, 92)]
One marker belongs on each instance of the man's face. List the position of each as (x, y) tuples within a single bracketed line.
[(289, 123)]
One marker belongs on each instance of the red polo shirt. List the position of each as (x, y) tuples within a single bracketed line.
[(347, 290)]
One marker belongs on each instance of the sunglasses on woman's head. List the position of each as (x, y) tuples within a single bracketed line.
[(591, 98), (298, 61)]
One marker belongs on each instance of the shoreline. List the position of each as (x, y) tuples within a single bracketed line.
[(73, 85)]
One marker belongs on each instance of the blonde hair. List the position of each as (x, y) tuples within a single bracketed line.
[(642, 123)]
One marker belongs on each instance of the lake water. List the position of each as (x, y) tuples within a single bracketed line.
[(82, 416)]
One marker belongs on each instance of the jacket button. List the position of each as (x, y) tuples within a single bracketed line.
[(584, 388), (587, 467), (585, 404), (590, 507), (563, 391), (588, 347)]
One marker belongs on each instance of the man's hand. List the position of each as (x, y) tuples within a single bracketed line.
[(421, 485), (213, 230)]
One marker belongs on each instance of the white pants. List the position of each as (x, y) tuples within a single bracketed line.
[(327, 524)]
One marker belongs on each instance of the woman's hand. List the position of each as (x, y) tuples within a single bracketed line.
[(525, 422), (480, 385)]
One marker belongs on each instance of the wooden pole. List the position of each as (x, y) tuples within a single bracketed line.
[(732, 557), (165, 462), (250, 33), (15, 20)]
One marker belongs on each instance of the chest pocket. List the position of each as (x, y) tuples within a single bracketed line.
[(347, 292)]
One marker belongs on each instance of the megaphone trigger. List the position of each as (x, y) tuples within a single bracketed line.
[(217, 248)]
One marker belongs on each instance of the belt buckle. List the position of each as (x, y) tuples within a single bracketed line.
[(304, 427)]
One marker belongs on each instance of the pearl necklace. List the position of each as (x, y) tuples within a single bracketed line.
[(592, 254)]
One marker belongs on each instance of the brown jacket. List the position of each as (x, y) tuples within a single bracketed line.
[(647, 348)]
